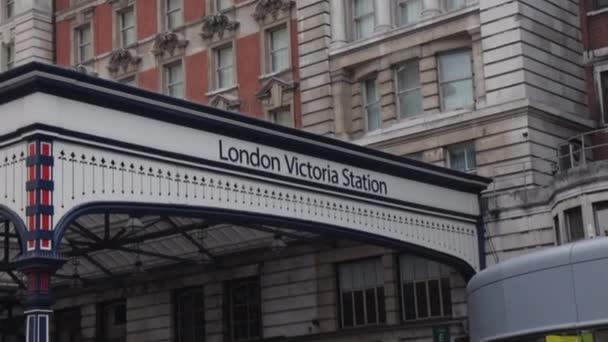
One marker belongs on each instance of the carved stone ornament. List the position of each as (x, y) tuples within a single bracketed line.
[(225, 102), (122, 58), (168, 42), (275, 91), (272, 7), (217, 23), (119, 4)]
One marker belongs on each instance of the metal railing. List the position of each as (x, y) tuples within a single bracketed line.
[(583, 148)]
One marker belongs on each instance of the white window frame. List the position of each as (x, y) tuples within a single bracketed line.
[(448, 8), (462, 145), (443, 275), (79, 45), (217, 68), (598, 71), (167, 12), (442, 82), (269, 48), (402, 3), (380, 314), (169, 84), (399, 92), (367, 104), (355, 19), (122, 29), (218, 9)]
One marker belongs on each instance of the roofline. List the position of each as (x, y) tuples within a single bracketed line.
[(67, 83)]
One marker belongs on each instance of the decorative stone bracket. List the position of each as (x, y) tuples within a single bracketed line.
[(274, 91), (217, 24), (168, 42), (271, 7), (122, 59)]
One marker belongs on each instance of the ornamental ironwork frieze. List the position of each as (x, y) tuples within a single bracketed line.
[(217, 24), (122, 59), (271, 7)]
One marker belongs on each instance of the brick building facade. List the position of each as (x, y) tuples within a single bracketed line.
[(502, 89)]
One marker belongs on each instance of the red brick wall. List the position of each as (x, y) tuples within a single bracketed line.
[(248, 70), (295, 63), (61, 4), (146, 18), (598, 31), (197, 77), (149, 80), (62, 42), (193, 9), (102, 33)]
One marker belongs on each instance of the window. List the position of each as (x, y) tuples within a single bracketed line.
[(243, 299), (222, 5), (456, 80), (278, 47), (174, 80), (461, 157), (282, 117), (408, 89), (558, 234), (372, 105), (362, 293), (9, 55), (574, 223), (364, 19), (190, 319), (410, 11), (113, 322), (83, 41), (416, 156), (600, 211), (224, 67), (126, 20), (425, 288), (9, 8), (455, 4), (67, 325), (174, 13), (604, 94), (601, 4)]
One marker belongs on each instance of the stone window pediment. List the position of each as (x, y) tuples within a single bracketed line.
[(120, 4), (276, 92), (225, 101)]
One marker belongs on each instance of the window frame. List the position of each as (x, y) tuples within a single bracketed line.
[(557, 227), (399, 92), (199, 290), (601, 82), (101, 320), (441, 82), (354, 19), (446, 312), (285, 109), (366, 103), (380, 299), (449, 9), (598, 230), (216, 67), (122, 29), (270, 52), (167, 12), (229, 310), (217, 9), (399, 17), (597, 6), (167, 84), (464, 145), (568, 223), (79, 45)]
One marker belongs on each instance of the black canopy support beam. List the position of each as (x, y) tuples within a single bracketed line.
[(90, 259)]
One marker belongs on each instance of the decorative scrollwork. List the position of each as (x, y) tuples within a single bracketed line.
[(168, 42), (271, 7), (217, 24), (122, 58)]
